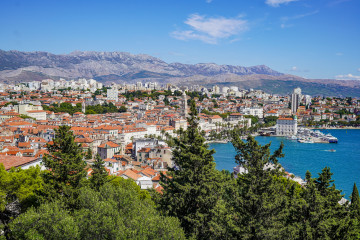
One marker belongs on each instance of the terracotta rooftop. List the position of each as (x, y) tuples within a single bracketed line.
[(15, 161)]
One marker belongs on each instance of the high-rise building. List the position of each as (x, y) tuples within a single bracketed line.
[(295, 99), (113, 94), (216, 89), (83, 107), (185, 107)]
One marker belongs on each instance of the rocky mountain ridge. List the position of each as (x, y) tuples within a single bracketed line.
[(17, 66), (98, 64)]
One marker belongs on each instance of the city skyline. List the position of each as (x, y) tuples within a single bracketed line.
[(299, 37)]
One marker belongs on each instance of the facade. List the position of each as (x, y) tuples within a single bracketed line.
[(113, 94), (34, 111), (254, 111), (37, 114), (286, 126), (108, 149), (146, 143)]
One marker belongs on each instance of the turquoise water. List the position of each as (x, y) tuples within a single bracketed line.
[(300, 157)]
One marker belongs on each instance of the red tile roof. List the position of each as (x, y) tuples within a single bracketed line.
[(15, 161)]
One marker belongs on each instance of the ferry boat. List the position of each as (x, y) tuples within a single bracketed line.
[(331, 138)]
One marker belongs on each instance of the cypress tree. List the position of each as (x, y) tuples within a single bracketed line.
[(355, 202), (99, 174), (193, 186), (354, 223)]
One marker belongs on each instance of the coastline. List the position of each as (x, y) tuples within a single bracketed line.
[(335, 128), (217, 141)]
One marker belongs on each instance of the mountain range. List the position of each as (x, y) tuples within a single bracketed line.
[(16, 66)]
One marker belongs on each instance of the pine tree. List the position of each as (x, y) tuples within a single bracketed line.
[(65, 164), (324, 181), (259, 199), (193, 186), (99, 175), (322, 215)]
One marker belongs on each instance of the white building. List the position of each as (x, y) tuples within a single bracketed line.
[(108, 149), (307, 99), (225, 90), (113, 94), (286, 126), (254, 111), (216, 89), (34, 111)]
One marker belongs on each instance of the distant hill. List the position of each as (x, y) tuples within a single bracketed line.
[(16, 66)]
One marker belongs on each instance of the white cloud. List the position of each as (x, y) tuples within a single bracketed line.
[(339, 54), (209, 1), (297, 69), (358, 69), (276, 3), (283, 25), (191, 35), (299, 16), (336, 2), (210, 30), (347, 77), (285, 20)]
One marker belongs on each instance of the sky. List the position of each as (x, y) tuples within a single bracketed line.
[(307, 38)]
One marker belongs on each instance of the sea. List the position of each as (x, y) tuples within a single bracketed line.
[(300, 157)]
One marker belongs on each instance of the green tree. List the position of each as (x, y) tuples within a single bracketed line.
[(112, 212), (355, 203), (259, 199), (99, 175), (66, 165), (354, 224), (122, 109), (18, 190), (324, 181), (50, 221), (322, 216), (88, 154), (270, 119), (254, 119), (193, 187)]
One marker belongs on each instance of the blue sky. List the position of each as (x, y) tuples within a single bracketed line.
[(309, 38)]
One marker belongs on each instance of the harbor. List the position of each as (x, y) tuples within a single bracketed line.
[(302, 135), (305, 135)]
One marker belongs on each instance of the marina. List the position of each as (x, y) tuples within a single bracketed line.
[(305, 135)]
